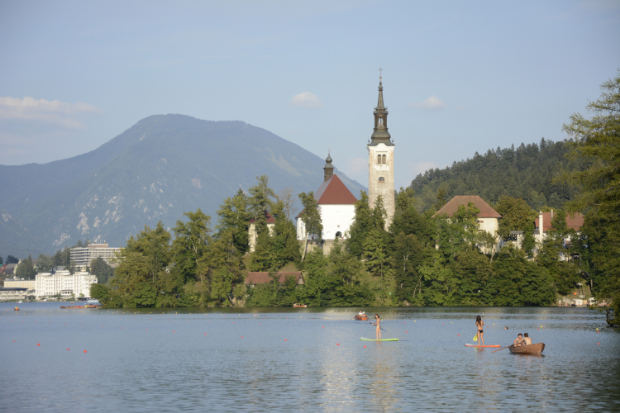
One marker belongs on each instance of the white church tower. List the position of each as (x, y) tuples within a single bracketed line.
[(381, 161)]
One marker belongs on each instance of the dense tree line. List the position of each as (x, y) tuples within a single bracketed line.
[(421, 259), (526, 172)]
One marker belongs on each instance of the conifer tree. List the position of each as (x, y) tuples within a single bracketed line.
[(311, 219)]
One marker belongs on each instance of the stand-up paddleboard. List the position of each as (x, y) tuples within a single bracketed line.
[(488, 345), (374, 339)]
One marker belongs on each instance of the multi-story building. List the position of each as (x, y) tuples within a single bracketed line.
[(15, 282), (82, 256), (64, 283)]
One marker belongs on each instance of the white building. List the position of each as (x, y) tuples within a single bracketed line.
[(381, 162), (63, 283), (83, 256), (336, 206)]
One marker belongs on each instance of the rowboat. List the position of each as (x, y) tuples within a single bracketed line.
[(361, 317), (529, 349), (296, 305)]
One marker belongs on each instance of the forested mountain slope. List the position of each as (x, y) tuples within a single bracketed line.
[(525, 172), (158, 169)]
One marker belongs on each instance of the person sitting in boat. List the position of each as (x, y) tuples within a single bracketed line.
[(519, 341), (527, 340)]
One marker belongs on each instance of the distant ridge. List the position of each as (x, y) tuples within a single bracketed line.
[(158, 169)]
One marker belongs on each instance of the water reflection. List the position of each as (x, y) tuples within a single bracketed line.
[(136, 363)]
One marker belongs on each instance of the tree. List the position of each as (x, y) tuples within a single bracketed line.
[(154, 245), (285, 245), (234, 217), (287, 196), (311, 218), (189, 246), (261, 197), (11, 259), (1, 261), (101, 269), (441, 198), (25, 269), (516, 215), (44, 263), (129, 275), (597, 140), (407, 256)]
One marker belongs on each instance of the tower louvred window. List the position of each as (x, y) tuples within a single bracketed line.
[(379, 159), (383, 159), (381, 179)]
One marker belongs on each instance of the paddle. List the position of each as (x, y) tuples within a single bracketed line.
[(501, 348), (379, 327)]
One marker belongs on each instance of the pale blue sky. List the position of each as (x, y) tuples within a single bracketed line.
[(459, 76)]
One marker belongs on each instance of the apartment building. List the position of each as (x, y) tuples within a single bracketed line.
[(82, 256)]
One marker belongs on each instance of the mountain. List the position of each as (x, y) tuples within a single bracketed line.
[(158, 169), (16, 239), (526, 172)]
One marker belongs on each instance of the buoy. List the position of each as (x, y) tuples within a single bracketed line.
[(284, 339), (337, 344), (364, 346), (38, 344), (458, 335), (598, 344), (173, 331), (406, 331), (241, 336), (84, 351), (67, 349), (323, 327)]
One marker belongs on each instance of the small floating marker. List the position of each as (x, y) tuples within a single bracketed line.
[(323, 327), (364, 346), (241, 336), (337, 344), (38, 344), (415, 321), (13, 341), (540, 326), (284, 339), (406, 331), (451, 322), (84, 351), (67, 349), (458, 335), (598, 344), (173, 331), (205, 334)]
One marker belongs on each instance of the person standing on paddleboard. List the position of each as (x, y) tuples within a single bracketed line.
[(378, 324), (479, 326)]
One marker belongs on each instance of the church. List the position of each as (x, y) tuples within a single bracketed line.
[(337, 204)]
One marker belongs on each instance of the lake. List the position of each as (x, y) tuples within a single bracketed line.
[(259, 360)]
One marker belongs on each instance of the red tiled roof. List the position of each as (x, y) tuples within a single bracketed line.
[(263, 277), (334, 192), (270, 219), (453, 205), (574, 221)]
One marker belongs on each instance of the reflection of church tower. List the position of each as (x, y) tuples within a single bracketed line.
[(328, 168), (381, 161)]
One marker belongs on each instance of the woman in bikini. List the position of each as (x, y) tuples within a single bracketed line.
[(479, 325), (378, 324)]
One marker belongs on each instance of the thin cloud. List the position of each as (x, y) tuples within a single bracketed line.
[(432, 103), (306, 100), (356, 166), (54, 111)]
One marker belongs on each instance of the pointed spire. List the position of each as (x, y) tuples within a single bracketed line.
[(380, 132), (380, 104)]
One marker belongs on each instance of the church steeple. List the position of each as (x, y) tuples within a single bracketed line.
[(380, 133), (328, 168)]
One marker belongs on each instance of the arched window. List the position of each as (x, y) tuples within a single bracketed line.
[(379, 159), (380, 123), (381, 179), (338, 234), (383, 160)]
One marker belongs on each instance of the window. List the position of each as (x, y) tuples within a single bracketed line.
[(381, 179), (379, 159), (338, 234), (383, 159)]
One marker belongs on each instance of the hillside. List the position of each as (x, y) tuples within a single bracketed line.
[(158, 169), (16, 239), (525, 172)]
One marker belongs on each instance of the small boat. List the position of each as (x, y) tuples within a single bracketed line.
[(296, 305), (16, 309), (487, 345), (529, 349), (361, 317)]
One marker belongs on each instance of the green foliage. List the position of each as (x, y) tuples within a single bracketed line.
[(44, 263), (234, 217), (101, 269), (525, 172), (11, 259), (25, 269), (311, 218), (516, 215)]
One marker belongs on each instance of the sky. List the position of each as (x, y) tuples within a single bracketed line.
[(459, 77)]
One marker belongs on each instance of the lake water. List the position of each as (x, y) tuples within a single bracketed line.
[(302, 359)]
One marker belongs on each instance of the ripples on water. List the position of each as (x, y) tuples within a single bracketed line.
[(138, 361)]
